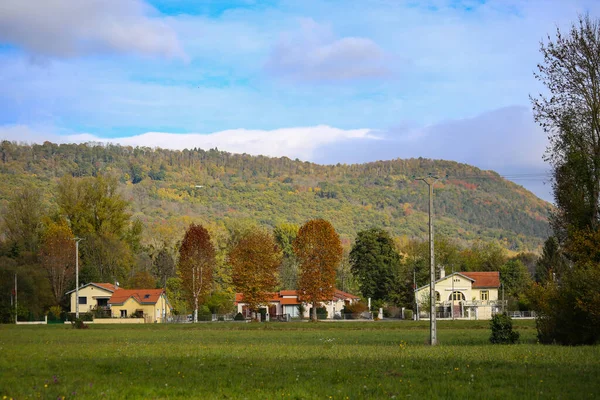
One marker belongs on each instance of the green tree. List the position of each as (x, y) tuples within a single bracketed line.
[(552, 264), (319, 249), (285, 234), (515, 277), (23, 219), (97, 212), (58, 258), (163, 265), (375, 263), (569, 310), (570, 115)]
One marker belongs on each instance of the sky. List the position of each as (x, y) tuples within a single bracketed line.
[(327, 81)]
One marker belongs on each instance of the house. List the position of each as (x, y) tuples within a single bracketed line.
[(151, 304), (286, 302), (92, 296), (473, 295)]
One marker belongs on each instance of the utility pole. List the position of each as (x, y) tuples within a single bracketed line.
[(77, 240), (16, 310), (430, 181), (452, 295)]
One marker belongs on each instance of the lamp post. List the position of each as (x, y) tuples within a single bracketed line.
[(430, 180), (16, 310), (77, 240)]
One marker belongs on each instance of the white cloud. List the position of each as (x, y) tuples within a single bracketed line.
[(298, 142), (313, 53), (69, 28)]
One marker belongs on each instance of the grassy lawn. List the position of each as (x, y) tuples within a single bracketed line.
[(337, 360)]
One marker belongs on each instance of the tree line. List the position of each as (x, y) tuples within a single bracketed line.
[(210, 262)]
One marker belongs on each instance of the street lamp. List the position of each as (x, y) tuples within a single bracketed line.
[(430, 181), (77, 240)]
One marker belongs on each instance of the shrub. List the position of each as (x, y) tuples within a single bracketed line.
[(301, 310), (321, 313), (239, 317), (78, 323), (502, 330), (355, 310), (408, 314)]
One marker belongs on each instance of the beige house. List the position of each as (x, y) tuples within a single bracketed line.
[(92, 296), (150, 304), (286, 302), (472, 295)]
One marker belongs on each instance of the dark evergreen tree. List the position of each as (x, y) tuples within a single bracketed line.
[(375, 264)]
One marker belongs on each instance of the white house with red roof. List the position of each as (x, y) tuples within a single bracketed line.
[(473, 295), (286, 302)]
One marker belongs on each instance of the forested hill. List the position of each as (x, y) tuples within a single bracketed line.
[(470, 203)]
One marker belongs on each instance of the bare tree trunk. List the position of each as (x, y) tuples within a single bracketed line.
[(313, 312), (195, 307)]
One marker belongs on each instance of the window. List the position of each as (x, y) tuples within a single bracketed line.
[(83, 300), (102, 302), (457, 296), (123, 313), (485, 295), (146, 296), (437, 296)]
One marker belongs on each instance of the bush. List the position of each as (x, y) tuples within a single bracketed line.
[(321, 313), (568, 313), (301, 310), (239, 317), (408, 314), (78, 323), (502, 330)]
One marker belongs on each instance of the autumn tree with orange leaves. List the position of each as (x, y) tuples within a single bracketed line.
[(319, 249), (196, 262), (58, 258), (255, 260)]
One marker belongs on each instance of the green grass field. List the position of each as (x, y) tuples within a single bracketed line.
[(326, 360)]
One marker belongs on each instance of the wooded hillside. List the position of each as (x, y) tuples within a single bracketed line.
[(470, 203)]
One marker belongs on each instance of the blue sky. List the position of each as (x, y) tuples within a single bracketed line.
[(325, 81)]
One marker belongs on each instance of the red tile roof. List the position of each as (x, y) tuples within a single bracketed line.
[(288, 293), (338, 294), (107, 286), (289, 301), (278, 297), (484, 279), (142, 296)]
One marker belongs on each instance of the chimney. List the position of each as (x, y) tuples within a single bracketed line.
[(442, 273)]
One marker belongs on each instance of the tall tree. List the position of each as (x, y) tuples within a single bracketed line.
[(196, 262), (375, 263), (23, 219), (58, 258), (570, 115), (285, 234), (552, 264), (97, 212), (163, 265), (319, 249), (255, 260), (515, 277)]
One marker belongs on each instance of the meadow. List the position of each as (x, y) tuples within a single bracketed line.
[(299, 360)]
